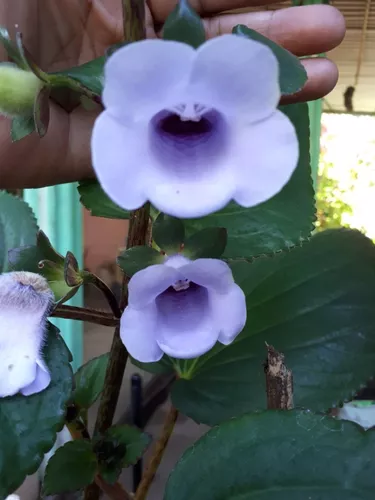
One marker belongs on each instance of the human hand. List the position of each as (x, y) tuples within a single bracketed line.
[(63, 33)]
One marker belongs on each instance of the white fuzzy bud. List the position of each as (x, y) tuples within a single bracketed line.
[(25, 300), (18, 90)]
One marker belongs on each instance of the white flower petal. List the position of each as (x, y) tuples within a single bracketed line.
[(144, 77), (148, 283), (185, 328), (238, 75), (188, 345), (362, 415), (210, 273), (24, 301), (176, 261), (267, 155), (189, 198), (229, 313), (119, 157), (189, 171), (138, 332), (17, 370), (41, 380)]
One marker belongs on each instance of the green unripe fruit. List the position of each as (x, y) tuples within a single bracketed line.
[(18, 90)]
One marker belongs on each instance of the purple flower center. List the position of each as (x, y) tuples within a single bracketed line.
[(184, 308), (188, 141)]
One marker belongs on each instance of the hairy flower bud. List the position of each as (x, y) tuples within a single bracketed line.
[(18, 90), (25, 300)]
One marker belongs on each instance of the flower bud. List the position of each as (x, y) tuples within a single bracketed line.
[(72, 274), (25, 300), (18, 90)]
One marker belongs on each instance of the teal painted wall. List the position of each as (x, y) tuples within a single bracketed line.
[(59, 215)]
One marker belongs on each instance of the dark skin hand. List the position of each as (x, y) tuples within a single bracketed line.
[(64, 33)]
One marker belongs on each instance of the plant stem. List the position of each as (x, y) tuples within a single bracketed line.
[(157, 454), (134, 29), (279, 381), (138, 231), (138, 227), (91, 279), (113, 380), (85, 314), (77, 430), (113, 491)]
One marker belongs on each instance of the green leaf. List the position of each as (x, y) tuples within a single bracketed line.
[(110, 474), (27, 258), (87, 76), (72, 467), (135, 441), (47, 250), (168, 233), (279, 223), (114, 48), (28, 425), (283, 455), (27, 60), (184, 25), (42, 112), (120, 447), (11, 48), (109, 453), (17, 226), (97, 202), (163, 366), (315, 304), (134, 259), (54, 274), (89, 381), (43, 259), (293, 75), (210, 242), (21, 126)]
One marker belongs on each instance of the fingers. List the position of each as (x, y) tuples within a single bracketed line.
[(161, 8), (322, 78), (63, 155), (308, 30)]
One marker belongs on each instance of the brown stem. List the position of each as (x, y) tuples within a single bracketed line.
[(85, 314), (77, 430), (138, 231), (157, 454), (138, 227), (112, 385), (91, 279), (134, 29), (279, 381), (113, 491)]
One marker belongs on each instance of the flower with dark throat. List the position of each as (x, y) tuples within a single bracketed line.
[(182, 308), (190, 130), (25, 300)]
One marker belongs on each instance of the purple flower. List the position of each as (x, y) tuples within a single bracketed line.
[(190, 130), (182, 308), (25, 300)]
